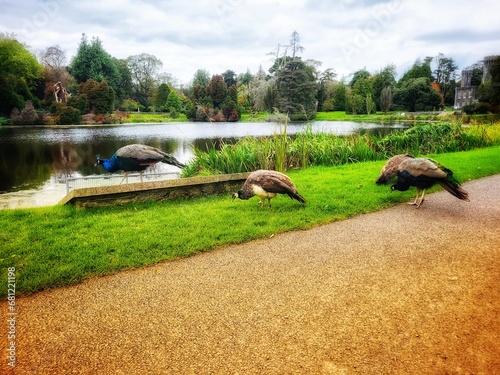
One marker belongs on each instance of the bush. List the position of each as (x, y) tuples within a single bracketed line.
[(173, 113), (5, 121), (480, 108), (69, 116), (27, 116)]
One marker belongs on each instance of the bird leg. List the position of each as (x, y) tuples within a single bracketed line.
[(414, 203), (124, 176), (261, 202), (421, 199), (268, 202)]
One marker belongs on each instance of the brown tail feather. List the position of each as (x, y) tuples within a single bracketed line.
[(454, 189), (298, 197)]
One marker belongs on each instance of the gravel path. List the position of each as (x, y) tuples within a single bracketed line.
[(400, 291)]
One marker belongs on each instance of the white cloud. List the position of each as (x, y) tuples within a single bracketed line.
[(217, 35)]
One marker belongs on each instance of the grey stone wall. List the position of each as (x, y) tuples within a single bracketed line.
[(184, 188)]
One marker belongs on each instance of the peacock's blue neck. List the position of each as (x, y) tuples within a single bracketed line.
[(111, 165)]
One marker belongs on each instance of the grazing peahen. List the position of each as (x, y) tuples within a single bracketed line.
[(266, 185), (136, 158), (424, 173), (390, 169)]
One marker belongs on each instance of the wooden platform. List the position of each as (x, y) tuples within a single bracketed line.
[(182, 188)]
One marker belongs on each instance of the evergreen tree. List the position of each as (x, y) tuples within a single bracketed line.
[(92, 62), (217, 90), (229, 78), (296, 90), (173, 102)]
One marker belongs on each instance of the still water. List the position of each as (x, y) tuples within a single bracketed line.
[(34, 157)]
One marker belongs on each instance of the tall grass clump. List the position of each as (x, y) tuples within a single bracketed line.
[(427, 139)]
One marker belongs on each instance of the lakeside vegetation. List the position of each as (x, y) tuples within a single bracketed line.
[(283, 152), (378, 117), (62, 245)]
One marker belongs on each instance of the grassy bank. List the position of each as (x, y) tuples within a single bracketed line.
[(146, 117), (379, 117), (58, 246)]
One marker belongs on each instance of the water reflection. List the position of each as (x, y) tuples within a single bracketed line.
[(31, 156)]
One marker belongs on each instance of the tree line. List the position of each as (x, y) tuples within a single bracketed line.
[(96, 85)]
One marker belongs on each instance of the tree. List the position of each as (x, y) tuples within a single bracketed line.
[(201, 77), (385, 78), (245, 78), (93, 62), (362, 95), (445, 74), (160, 96), (416, 94), (295, 44), (279, 58), (131, 105), (123, 88), (54, 59), (477, 74), (418, 70), (280, 63), (340, 97), (144, 69), (490, 90), (325, 91), (217, 90), (173, 102), (229, 78), (258, 89), (385, 99), (296, 90), (100, 96), (495, 82), (360, 74), (20, 73)]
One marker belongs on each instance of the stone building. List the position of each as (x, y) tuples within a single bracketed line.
[(467, 93)]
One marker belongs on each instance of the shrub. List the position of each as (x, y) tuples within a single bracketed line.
[(5, 121), (69, 116), (174, 113), (480, 108), (27, 116)]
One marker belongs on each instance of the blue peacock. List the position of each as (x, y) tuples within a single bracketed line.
[(136, 158)]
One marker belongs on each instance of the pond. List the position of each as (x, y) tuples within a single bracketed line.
[(41, 158)]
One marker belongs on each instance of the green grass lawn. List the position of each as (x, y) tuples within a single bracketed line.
[(62, 245)]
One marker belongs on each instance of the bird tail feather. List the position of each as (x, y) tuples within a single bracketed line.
[(453, 187), (382, 179), (298, 197)]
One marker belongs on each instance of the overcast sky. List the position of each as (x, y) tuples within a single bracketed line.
[(217, 35)]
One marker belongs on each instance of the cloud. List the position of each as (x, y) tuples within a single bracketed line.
[(217, 35)]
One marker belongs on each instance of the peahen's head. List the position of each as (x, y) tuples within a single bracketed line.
[(238, 194), (400, 186)]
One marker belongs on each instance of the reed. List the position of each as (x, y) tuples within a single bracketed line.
[(283, 152)]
